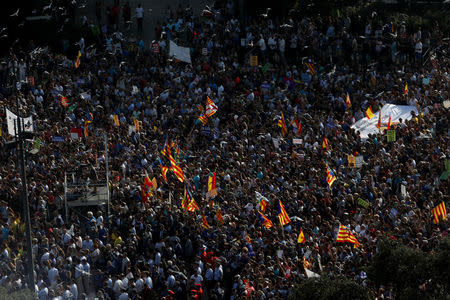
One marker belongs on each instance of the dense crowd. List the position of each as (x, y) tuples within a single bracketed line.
[(153, 248)]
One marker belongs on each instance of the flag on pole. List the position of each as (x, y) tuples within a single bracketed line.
[(116, 120), (282, 215), (389, 123), (439, 211), (211, 181), (282, 124), (263, 203), (264, 220), (86, 130), (203, 119), (176, 169), (77, 63), (405, 91), (219, 216), (325, 143), (297, 125), (204, 222), (369, 113), (301, 237), (165, 149), (137, 125), (330, 176), (211, 108), (310, 67), (346, 236), (347, 101)]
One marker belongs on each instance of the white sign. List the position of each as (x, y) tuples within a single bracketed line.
[(11, 120), (397, 112), (180, 53), (359, 160), (296, 141), (275, 142)]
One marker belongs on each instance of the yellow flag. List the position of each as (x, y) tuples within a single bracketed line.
[(116, 120), (136, 124)]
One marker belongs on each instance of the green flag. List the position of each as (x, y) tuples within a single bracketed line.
[(37, 143), (363, 203), (391, 136), (72, 107)]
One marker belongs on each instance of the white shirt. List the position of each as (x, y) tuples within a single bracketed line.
[(139, 12), (52, 273), (209, 275), (262, 44), (218, 273), (123, 296), (197, 279), (139, 285)]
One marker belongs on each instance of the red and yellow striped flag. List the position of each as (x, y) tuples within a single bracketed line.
[(263, 204), (203, 119), (347, 101), (342, 235), (77, 63), (282, 215), (330, 176), (301, 237), (325, 143), (116, 120), (205, 223), (439, 212), (369, 113), (86, 130), (264, 220), (389, 123), (405, 91), (219, 216), (137, 125), (211, 107), (281, 123), (310, 67), (176, 168)]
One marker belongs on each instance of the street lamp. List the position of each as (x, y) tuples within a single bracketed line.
[(23, 175)]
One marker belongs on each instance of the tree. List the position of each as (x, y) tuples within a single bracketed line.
[(325, 288), (23, 294)]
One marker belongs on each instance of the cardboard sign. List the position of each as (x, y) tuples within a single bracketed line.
[(391, 136), (363, 203), (297, 141), (253, 61), (359, 160), (351, 161)]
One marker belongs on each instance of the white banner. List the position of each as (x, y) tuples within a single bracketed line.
[(180, 53), (11, 120), (397, 112)]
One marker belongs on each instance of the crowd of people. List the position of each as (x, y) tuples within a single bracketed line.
[(146, 245)]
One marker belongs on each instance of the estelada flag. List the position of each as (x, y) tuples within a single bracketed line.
[(405, 91), (439, 211), (204, 222), (347, 101), (369, 113), (176, 169), (77, 63), (282, 215), (301, 237), (211, 108), (264, 220), (219, 216), (389, 123), (330, 176), (281, 123), (64, 101)]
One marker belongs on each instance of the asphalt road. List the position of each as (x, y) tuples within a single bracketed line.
[(158, 12)]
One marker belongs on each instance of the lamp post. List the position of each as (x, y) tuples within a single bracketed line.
[(23, 175)]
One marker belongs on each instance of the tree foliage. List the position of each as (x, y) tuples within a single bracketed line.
[(23, 294), (325, 288)]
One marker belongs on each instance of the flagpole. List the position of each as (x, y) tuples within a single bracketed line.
[(23, 175)]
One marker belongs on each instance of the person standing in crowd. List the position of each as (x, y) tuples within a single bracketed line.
[(139, 17)]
